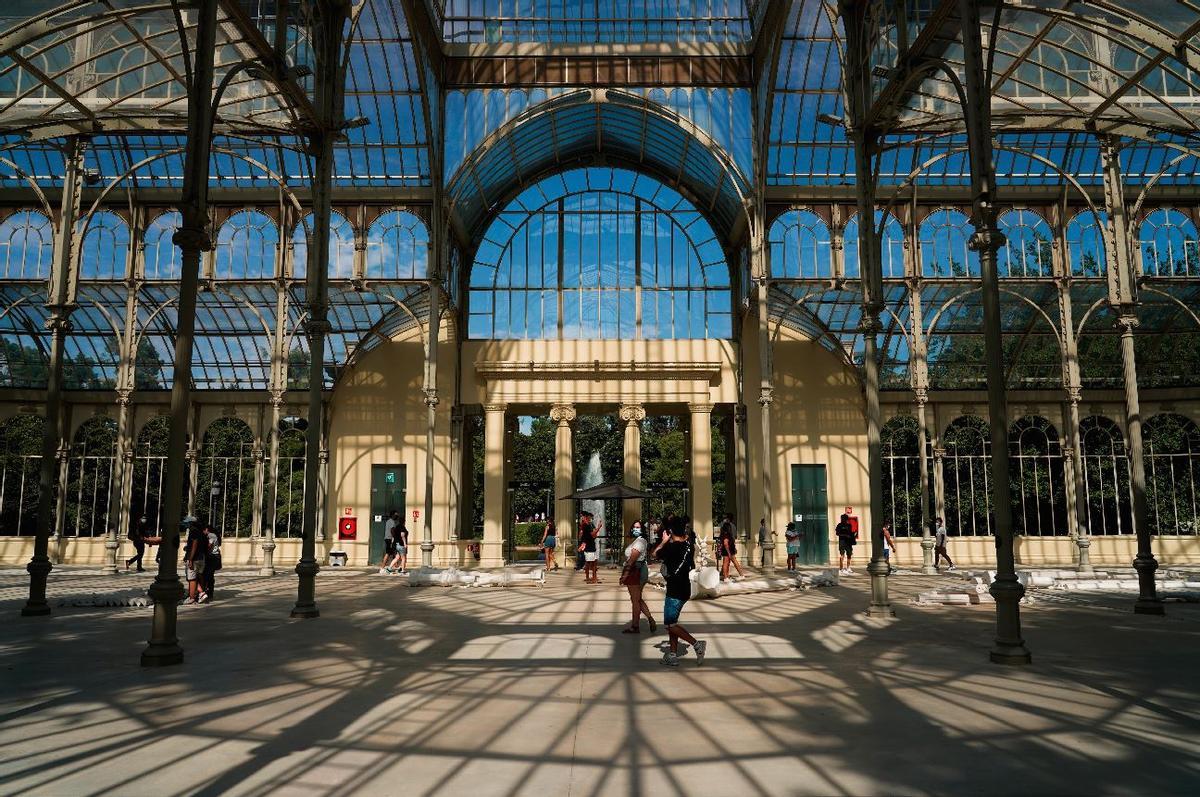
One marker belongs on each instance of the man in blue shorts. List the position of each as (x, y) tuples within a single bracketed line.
[(676, 552)]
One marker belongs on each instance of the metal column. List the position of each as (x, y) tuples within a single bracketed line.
[(1009, 646), (60, 304)]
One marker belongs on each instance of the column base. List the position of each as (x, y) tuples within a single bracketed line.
[(768, 558), (163, 649), (162, 655), (927, 566), (1085, 561), (39, 573), (1148, 601), (881, 604), (306, 590), (1009, 647), (111, 546)]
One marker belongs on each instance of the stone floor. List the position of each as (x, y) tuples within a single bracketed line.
[(534, 691)]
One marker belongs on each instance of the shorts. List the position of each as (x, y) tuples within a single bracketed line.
[(193, 571), (591, 556), (887, 553), (845, 546), (389, 547), (402, 550), (793, 550), (643, 572), (671, 609), (550, 542)]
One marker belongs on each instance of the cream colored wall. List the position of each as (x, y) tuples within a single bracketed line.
[(378, 417)]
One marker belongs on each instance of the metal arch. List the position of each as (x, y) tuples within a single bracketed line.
[(1174, 300), (1185, 152), (32, 184), (219, 288), (376, 332), (669, 214), (599, 97), (145, 326), (1010, 292), (826, 333), (1101, 302)]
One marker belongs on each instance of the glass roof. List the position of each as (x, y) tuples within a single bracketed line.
[(600, 22), (1061, 71)]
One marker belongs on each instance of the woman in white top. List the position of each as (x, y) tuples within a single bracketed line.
[(634, 576)]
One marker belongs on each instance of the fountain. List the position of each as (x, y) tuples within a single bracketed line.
[(592, 475)]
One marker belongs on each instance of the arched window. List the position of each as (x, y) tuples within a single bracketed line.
[(90, 472), (341, 247), (1169, 244), (20, 465), (1105, 476), (800, 246), (576, 255), (225, 486), (967, 474), (1027, 250), (891, 246), (1085, 241), (246, 246), (105, 248), (162, 256), (902, 493), (1172, 474), (26, 246), (397, 247), (289, 484), (944, 235), (1038, 486), (149, 462)]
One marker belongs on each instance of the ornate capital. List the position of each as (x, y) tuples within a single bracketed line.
[(323, 456), (939, 453), (127, 456), (431, 397), (276, 399), (766, 396), (62, 452), (124, 397), (632, 413), (986, 239), (921, 396), (258, 454), (59, 320), (1074, 394), (194, 238), (870, 324), (189, 455), (1126, 323), (697, 407), (317, 326), (1068, 452), (562, 414)]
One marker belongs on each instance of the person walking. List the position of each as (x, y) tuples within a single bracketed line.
[(389, 542), (138, 535), (212, 563), (548, 543), (727, 540), (194, 552), (762, 542), (676, 553), (792, 536), (400, 533), (939, 545), (889, 544), (847, 537), (587, 543), (634, 575)]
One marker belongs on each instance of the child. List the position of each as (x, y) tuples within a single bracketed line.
[(793, 536)]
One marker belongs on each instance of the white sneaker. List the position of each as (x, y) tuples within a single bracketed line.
[(700, 646), (849, 572), (951, 568), (383, 571), (669, 659)]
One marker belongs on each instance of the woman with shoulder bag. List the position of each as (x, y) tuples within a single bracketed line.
[(634, 576)]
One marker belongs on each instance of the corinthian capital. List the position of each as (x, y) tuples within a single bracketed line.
[(632, 413), (562, 414)]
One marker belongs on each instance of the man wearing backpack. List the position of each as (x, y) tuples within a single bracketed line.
[(847, 537), (676, 552)]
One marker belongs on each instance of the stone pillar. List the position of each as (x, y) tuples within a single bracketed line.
[(492, 549), (455, 502), (765, 398), (741, 482), (927, 541), (258, 512), (632, 416), (117, 525), (564, 477), (701, 510), (466, 514), (62, 461)]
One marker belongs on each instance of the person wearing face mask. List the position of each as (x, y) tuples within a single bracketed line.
[(634, 575)]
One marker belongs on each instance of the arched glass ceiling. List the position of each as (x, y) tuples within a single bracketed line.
[(594, 22), (591, 125)]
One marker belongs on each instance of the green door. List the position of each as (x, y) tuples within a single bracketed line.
[(810, 512), (387, 494)]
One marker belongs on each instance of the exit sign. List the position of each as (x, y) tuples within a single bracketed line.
[(391, 477)]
